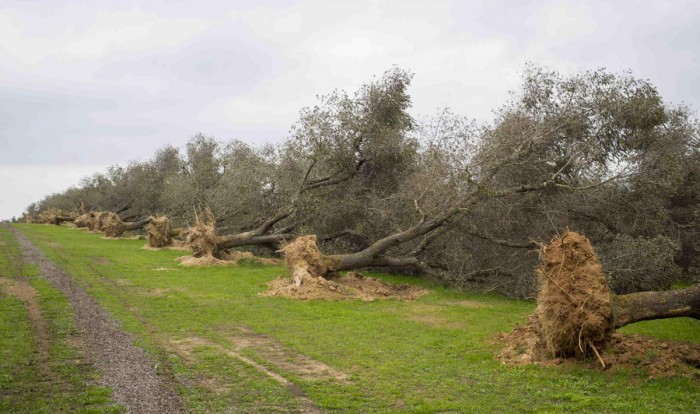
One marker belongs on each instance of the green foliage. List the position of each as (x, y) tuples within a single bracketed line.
[(635, 264), (618, 162)]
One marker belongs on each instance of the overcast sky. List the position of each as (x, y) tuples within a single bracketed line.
[(86, 84)]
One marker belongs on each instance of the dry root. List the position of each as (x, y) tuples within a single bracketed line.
[(304, 260), (51, 216), (311, 275), (83, 220), (574, 312), (158, 232), (574, 318), (574, 315), (111, 224), (202, 236)]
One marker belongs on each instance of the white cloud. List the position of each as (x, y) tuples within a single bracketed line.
[(119, 78), (22, 185)]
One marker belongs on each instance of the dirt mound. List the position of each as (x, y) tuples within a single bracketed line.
[(351, 286), (202, 236), (304, 260), (158, 232), (226, 257), (573, 306), (656, 357), (659, 358)]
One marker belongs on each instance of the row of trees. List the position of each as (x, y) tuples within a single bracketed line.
[(595, 152)]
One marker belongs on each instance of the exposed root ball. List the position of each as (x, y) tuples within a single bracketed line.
[(303, 259), (574, 313), (158, 232), (51, 216), (83, 220), (26, 218), (94, 221), (100, 220), (111, 224), (202, 236)]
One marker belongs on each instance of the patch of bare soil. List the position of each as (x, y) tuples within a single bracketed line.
[(351, 286), (573, 321), (472, 304), (102, 261), (227, 258), (28, 295), (127, 369), (185, 348), (286, 359), (430, 315), (658, 358)]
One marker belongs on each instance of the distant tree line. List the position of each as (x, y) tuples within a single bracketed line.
[(595, 152)]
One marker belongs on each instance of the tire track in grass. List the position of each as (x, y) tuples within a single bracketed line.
[(126, 368), (28, 296), (306, 405)]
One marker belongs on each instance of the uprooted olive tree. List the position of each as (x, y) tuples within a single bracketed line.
[(576, 313), (346, 139), (113, 226)]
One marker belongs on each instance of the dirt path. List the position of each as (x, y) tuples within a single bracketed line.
[(127, 369)]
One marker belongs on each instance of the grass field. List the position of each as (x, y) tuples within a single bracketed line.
[(435, 354)]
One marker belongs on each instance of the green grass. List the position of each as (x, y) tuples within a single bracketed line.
[(431, 355), (65, 385)]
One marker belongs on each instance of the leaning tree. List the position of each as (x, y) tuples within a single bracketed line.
[(345, 140), (560, 136)]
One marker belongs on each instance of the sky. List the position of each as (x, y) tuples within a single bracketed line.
[(87, 84)]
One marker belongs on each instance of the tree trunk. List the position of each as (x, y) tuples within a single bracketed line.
[(135, 225), (248, 239), (257, 236), (114, 227), (644, 306), (58, 220)]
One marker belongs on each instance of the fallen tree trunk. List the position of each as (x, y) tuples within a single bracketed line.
[(60, 219), (113, 226), (644, 306), (55, 217), (203, 240)]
